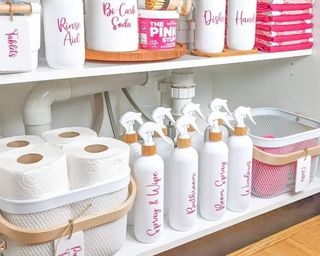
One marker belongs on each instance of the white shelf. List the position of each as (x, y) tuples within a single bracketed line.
[(171, 238), (44, 73)]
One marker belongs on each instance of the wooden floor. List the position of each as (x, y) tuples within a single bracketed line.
[(300, 240)]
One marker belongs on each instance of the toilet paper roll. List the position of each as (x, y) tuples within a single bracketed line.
[(63, 136), (33, 173), (20, 142), (95, 161)]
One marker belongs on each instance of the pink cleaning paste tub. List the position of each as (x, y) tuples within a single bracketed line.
[(157, 29)]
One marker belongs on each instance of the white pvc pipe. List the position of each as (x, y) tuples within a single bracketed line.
[(37, 109)]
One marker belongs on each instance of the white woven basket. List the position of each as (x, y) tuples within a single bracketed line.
[(102, 240)]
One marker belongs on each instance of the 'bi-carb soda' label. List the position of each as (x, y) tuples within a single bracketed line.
[(157, 33)]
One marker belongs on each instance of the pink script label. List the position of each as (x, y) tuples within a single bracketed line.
[(221, 183), (154, 190), (212, 19), (246, 189), (12, 39), (241, 20), (193, 196), (72, 36), (72, 251), (120, 15)]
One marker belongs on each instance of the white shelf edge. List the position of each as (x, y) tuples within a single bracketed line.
[(91, 69), (171, 239)]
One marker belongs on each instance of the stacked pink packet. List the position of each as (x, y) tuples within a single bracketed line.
[(284, 25)]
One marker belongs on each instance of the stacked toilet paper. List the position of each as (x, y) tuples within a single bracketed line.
[(34, 172), (75, 158), (91, 162), (64, 136)]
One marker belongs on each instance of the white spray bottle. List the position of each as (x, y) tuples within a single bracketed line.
[(164, 149), (215, 106), (130, 137), (240, 163), (214, 170), (184, 178), (197, 139), (148, 169)]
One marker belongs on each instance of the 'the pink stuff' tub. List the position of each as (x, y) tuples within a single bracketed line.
[(157, 29)]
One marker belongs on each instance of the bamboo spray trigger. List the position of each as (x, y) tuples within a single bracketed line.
[(159, 114), (240, 114), (127, 121)]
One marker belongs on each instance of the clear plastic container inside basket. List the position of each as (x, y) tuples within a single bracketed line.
[(280, 133)]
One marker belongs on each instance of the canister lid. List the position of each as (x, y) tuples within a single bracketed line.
[(158, 14)]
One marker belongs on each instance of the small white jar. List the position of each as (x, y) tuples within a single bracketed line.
[(241, 24), (210, 18), (112, 26), (64, 33)]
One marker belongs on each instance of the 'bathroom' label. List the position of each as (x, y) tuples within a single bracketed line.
[(303, 173), (73, 246), (191, 209)]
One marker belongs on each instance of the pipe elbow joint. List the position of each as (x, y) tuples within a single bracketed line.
[(37, 107)]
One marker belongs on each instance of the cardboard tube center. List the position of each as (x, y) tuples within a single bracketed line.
[(98, 148), (30, 159), (18, 144), (69, 134)]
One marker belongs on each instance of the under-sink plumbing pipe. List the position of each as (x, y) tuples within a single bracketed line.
[(182, 89), (37, 115)]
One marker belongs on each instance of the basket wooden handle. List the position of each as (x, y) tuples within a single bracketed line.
[(29, 237), (15, 8), (272, 159)]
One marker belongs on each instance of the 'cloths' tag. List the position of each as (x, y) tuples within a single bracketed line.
[(66, 246), (303, 173)]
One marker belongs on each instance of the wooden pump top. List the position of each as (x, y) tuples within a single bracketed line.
[(130, 138), (240, 131)]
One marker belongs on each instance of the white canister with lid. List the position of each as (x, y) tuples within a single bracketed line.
[(112, 26), (241, 24), (210, 16), (64, 33)]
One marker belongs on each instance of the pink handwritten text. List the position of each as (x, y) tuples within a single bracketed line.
[(246, 189), (12, 39), (193, 195), (241, 20), (119, 15), (66, 27), (154, 191), (210, 18), (221, 184)]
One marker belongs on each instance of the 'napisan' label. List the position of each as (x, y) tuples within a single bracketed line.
[(303, 173), (70, 247)]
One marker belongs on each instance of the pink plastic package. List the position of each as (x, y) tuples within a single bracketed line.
[(271, 180), (157, 29)]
